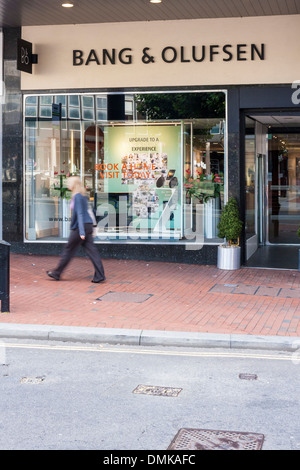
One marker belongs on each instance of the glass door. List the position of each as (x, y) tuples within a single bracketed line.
[(272, 192), (261, 198), (250, 188), (283, 187), (255, 188)]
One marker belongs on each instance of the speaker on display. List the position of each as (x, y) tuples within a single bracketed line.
[(173, 181)]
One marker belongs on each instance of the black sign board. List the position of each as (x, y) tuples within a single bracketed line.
[(24, 57)]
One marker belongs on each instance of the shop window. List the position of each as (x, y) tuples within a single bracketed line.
[(157, 177)]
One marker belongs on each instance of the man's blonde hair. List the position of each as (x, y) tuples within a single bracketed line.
[(75, 185)]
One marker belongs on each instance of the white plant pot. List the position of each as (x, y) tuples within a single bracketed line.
[(229, 257)]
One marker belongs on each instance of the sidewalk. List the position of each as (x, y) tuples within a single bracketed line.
[(144, 296)]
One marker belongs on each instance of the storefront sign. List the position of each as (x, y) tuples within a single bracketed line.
[(200, 52), (24, 62), (170, 54), (25, 57)]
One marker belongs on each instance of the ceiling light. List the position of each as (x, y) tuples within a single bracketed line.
[(67, 4), (155, 1)]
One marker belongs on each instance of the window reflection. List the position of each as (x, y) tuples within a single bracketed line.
[(147, 177), (250, 171), (283, 187)]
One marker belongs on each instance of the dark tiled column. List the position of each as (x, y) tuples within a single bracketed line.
[(235, 158), (12, 143), (234, 176)]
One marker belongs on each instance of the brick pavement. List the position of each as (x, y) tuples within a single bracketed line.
[(172, 296)]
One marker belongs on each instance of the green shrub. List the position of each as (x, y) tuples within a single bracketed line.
[(230, 225)]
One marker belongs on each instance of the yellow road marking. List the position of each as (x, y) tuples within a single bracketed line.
[(141, 350)]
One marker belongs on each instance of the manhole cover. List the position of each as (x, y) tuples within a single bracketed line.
[(205, 439), (248, 376), (124, 297), (159, 391), (32, 380)]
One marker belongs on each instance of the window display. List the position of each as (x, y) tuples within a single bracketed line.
[(144, 175), (138, 166)]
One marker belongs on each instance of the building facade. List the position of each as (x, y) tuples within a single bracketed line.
[(163, 121)]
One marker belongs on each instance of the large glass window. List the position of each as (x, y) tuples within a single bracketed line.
[(154, 174)]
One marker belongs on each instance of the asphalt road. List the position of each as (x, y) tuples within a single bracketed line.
[(67, 396)]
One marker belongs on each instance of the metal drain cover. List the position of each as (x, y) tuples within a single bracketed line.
[(159, 391), (32, 380), (124, 297), (248, 376), (205, 439)]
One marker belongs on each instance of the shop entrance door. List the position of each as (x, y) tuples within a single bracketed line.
[(261, 164), (277, 188), (256, 184), (284, 187)]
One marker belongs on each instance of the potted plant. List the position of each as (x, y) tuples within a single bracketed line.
[(230, 227)]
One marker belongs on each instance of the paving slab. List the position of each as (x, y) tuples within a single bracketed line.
[(152, 302)]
